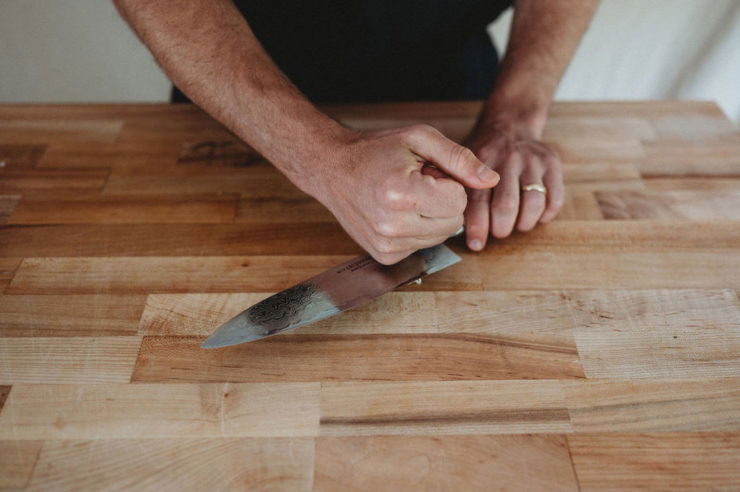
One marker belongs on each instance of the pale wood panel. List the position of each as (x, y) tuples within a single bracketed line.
[(586, 268), (485, 463), (69, 315), (176, 240), (680, 461), (646, 109), (599, 128), (708, 157), (7, 205), (451, 407), (584, 150), (710, 205), (529, 317), (67, 359), (44, 180), (44, 131), (654, 406), (200, 314), (692, 183), (604, 173), (658, 334), (106, 411), (176, 464), (165, 274), (8, 266), (692, 126), (96, 209), (17, 461), (402, 357)]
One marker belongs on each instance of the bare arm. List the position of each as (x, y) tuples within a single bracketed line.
[(544, 36), (372, 182)]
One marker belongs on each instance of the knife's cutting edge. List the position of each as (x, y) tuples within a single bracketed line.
[(338, 289)]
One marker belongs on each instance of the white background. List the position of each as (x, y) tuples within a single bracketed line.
[(80, 50)]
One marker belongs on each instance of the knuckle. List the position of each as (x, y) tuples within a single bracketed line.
[(387, 228), (461, 156), (509, 204)]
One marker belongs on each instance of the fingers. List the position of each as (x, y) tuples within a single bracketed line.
[(532, 202), (505, 202), (553, 181), (455, 160), (477, 219), (437, 198)]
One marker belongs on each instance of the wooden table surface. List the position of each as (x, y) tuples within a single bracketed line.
[(601, 351)]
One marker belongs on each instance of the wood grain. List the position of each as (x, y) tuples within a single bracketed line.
[(45, 180), (680, 461), (67, 315), (95, 209), (67, 359), (484, 463), (717, 205), (127, 411), (298, 357), (658, 334), (608, 405), (177, 464), (450, 407), (597, 351), (17, 461)]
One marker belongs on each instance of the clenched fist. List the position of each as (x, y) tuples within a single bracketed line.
[(375, 186)]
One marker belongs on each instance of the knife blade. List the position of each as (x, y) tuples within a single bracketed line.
[(351, 284)]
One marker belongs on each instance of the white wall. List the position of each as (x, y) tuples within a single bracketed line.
[(80, 50)]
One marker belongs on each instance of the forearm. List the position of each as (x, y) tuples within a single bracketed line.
[(209, 51), (544, 36)]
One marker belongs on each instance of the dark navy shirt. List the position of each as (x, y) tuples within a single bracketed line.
[(380, 50)]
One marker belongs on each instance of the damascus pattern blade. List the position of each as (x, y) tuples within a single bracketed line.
[(338, 289)]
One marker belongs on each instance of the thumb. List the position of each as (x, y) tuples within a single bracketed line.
[(455, 160)]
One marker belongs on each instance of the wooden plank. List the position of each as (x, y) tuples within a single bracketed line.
[(585, 150), (580, 205), (67, 359), (145, 411), (401, 357), (599, 128), (69, 315), (645, 109), (45, 180), (675, 157), (282, 210), (176, 464), (658, 334), (692, 126), (329, 239), (175, 239), (4, 392), (139, 155), (507, 267), (59, 129), (692, 183), (451, 407), (680, 461), (7, 205), (443, 463), (711, 205), (96, 209), (14, 156), (654, 405), (604, 173), (165, 274), (198, 180), (17, 462), (8, 266), (200, 314)]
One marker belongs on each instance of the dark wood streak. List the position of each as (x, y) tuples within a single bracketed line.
[(483, 417)]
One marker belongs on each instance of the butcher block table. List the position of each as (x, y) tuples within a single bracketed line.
[(601, 351)]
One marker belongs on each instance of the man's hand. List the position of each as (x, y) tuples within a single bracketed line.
[(515, 152), (379, 192)]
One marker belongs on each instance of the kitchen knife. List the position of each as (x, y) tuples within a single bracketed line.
[(338, 289)]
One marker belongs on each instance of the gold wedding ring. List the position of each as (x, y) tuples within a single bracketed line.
[(535, 187)]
